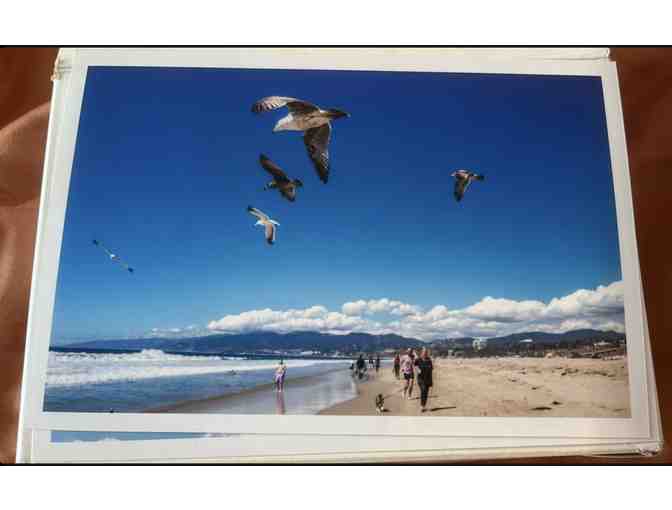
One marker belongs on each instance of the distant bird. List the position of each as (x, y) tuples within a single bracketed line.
[(280, 180), (462, 180), (312, 120), (113, 257), (265, 221)]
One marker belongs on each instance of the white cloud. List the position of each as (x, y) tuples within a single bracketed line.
[(601, 308), (383, 305), (601, 301), (315, 318), (505, 310)]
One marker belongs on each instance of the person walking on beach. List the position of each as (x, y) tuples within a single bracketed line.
[(280, 376), (407, 368), (377, 363), (425, 369), (397, 365), (361, 366)]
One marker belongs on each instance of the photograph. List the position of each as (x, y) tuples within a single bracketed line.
[(339, 243)]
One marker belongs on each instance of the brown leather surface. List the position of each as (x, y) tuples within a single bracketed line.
[(25, 87)]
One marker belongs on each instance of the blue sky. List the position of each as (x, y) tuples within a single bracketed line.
[(167, 161)]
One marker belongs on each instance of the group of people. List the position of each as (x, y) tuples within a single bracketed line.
[(413, 367), (409, 366)]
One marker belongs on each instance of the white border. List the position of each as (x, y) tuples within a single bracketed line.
[(282, 448), (58, 163)]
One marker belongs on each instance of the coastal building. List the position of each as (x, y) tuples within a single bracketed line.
[(526, 347), (602, 344), (479, 344)]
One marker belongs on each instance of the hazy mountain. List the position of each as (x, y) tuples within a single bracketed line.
[(308, 340), (452, 342), (249, 342), (579, 335)]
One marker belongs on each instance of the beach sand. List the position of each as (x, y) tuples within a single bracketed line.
[(498, 387)]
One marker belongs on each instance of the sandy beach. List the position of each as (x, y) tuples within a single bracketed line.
[(557, 387), (498, 387)]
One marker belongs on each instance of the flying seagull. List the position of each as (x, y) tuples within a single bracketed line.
[(462, 180), (280, 180), (265, 221), (309, 118), (113, 257)]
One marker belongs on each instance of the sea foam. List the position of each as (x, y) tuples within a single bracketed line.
[(72, 369)]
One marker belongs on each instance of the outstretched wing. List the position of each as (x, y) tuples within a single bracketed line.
[(102, 247), (256, 212), (270, 233), (273, 169), (274, 102), (317, 144), (125, 266)]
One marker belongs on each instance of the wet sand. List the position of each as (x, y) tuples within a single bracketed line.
[(302, 395), (555, 387)]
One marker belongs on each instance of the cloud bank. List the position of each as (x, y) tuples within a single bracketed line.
[(601, 308)]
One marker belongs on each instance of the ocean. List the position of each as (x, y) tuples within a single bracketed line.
[(152, 379)]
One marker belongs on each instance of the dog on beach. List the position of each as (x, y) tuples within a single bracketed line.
[(380, 403)]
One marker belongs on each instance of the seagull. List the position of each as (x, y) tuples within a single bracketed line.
[(462, 180), (265, 221), (113, 257), (309, 118), (280, 180)]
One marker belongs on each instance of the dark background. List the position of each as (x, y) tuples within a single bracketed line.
[(646, 88)]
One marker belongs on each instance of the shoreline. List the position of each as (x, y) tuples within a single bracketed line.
[(299, 397)]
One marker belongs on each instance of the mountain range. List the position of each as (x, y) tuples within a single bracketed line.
[(323, 342)]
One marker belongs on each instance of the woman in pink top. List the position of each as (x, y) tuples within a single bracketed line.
[(407, 369)]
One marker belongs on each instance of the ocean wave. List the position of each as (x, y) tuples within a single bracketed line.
[(73, 369)]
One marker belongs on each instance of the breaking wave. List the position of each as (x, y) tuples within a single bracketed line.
[(72, 369)]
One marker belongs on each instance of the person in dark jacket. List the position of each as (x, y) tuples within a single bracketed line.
[(425, 369), (397, 365), (361, 366)]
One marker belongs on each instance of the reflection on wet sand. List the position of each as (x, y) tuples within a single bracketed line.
[(280, 400), (305, 395)]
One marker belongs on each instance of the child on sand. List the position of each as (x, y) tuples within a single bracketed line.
[(280, 376)]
